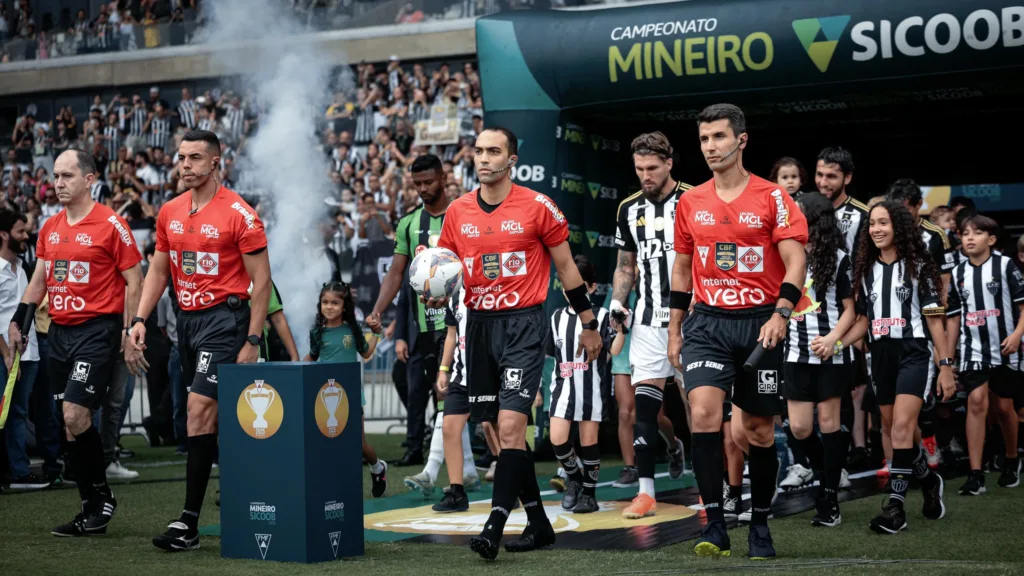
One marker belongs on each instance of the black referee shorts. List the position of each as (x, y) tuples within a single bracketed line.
[(716, 343), (207, 338), (900, 367), (82, 359), (504, 360), (817, 382)]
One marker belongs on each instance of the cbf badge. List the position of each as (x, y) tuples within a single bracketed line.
[(331, 409), (260, 410), (188, 262), (725, 255), (491, 268), (60, 270)]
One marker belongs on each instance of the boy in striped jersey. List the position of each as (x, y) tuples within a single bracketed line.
[(453, 417), (986, 313), (898, 295), (576, 395), (818, 366)]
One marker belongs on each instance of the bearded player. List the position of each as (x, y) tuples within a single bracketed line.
[(507, 237)]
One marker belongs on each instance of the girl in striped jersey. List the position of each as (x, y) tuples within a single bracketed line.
[(576, 395), (898, 295), (819, 369), (452, 419), (986, 313)]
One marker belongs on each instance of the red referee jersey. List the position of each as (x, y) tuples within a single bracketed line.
[(206, 247), (505, 258), (84, 263), (737, 263)]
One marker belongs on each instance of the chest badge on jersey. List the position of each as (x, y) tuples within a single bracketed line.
[(513, 263), (60, 270), (993, 286), (188, 262), (725, 255), (347, 341), (79, 272), (902, 294), (208, 263), (845, 223), (491, 266), (751, 259)]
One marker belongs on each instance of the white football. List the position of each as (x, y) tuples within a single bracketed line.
[(435, 273)]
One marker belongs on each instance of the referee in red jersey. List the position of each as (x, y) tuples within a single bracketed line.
[(86, 255), (212, 244), (507, 237), (749, 238)]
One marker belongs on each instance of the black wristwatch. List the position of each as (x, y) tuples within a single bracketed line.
[(592, 325), (946, 362), (132, 324), (255, 340), (784, 312)]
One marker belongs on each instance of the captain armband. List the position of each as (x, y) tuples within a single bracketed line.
[(933, 310), (678, 300)]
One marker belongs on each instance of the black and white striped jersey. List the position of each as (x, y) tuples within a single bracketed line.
[(159, 132), (187, 113), (895, 304), (456, 316), (852, 217), (112, 139), (575, 382), (986, 298), (235, 119), (647, 228), (803, 330), (204, 124), (938, 245), (137, 117)]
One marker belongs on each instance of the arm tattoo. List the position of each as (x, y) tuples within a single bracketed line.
[(624, 276)]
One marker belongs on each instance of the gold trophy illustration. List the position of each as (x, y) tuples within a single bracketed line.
[(330, 396), (259, 399)]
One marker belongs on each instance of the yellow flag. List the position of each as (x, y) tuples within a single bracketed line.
[(5, 401)]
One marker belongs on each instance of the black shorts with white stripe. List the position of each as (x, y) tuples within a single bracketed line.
[(900, 366)]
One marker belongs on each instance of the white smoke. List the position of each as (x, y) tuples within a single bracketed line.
[(284, 160)]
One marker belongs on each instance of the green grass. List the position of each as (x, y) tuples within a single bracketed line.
[(979, 536)]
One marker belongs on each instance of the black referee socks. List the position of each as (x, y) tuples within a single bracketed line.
[(202, 450), (764, 472), (707, 466), (508, 482), (645, 429), (88, 453), (529, 493)]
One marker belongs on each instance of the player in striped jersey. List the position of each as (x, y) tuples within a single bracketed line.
[(645, 237), (899, 296), (818, 366), (453, 405), (938, 246), (986, 311), (576, 395)]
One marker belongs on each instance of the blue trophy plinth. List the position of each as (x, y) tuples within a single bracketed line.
[(290, 461)]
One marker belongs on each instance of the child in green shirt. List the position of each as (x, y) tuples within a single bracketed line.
[(337, 337)]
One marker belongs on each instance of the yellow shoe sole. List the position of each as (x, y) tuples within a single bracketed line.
[(709, 550)]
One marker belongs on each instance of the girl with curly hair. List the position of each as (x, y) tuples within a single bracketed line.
[(898, 294), (819, 368), (337, 337)]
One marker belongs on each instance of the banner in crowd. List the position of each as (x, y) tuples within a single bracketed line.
[(441, 128), (372, 262), (569, 59)]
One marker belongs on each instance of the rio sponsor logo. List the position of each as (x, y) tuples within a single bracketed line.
[(730, 292), (177, 227), (513, 263), (751, 259), (263, 512), (122, 231), (250, 219), (559, 217), (699, 54), (334, 510)]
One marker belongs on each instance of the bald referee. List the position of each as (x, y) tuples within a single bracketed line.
[(212, 243)]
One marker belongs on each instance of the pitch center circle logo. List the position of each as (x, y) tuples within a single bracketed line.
[(331, 409), (260, 410)]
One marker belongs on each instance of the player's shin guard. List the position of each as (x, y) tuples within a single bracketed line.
[(591, 468), (707, 466), (201, 451), (836, 444), (764, 469), (508, 482), (900, 472), (570, 463), (645, 434)]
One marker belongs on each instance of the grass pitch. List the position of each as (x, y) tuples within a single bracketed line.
[(978, 537)]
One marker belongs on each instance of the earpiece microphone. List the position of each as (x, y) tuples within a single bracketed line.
[(508, 165), (193, 211), (734, 150)]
